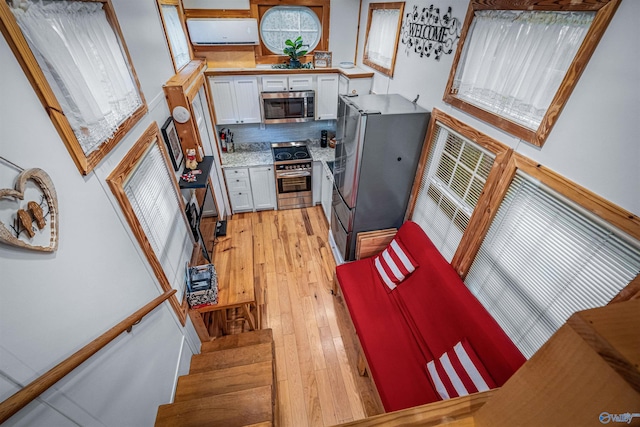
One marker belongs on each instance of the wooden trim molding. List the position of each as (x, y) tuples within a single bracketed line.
[(604, 12), (365, 57), (116, 182), (22, 398), (321, 8), (18, 44)]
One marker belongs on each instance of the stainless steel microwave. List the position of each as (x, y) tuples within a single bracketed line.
[(288, 107)]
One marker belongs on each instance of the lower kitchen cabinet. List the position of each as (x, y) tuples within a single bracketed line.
[(251, 189), (263, 187), (316, 182), (327, 192)]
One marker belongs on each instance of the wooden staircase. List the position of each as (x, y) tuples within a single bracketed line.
[(231, 383)]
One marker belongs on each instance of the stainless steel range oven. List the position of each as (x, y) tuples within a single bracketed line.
[(292, 163)]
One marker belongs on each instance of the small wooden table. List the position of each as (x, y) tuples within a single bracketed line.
[(233, 260)]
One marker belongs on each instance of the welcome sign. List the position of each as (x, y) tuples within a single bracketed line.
[(428, 34)]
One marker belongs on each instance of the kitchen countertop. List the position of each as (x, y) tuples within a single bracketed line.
[(259, 154), (354, 72)]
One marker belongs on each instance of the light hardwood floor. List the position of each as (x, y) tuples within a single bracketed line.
[(315, 363)]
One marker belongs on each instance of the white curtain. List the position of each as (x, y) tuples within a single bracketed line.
[(513, 62), (83, 62), (175, 33), (381, 42)]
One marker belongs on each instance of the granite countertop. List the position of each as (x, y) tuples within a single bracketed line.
[(259, 154)]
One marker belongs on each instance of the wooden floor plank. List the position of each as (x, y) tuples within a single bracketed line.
[(314, 371)]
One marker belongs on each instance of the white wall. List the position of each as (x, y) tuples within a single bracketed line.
[(595, 140), (343, 30), (53, 304)]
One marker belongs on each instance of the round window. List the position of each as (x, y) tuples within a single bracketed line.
[(288, 22)]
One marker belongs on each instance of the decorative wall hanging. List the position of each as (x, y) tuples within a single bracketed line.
[(35, 223), (428, 34)]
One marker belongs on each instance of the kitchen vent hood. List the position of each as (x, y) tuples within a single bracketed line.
[(223, 31)]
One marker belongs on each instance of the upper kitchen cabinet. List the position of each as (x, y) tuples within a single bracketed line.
[(327, 97), (287, 83), (235, 99)]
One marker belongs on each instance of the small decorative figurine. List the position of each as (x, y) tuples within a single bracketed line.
[(191, 159)]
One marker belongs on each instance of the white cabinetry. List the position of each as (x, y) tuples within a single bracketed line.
[(251, 189), (327, 97), (316, 182), (239, 188), (263, 187), (235, 99), (275, 83), (327, 192), (354, 85)]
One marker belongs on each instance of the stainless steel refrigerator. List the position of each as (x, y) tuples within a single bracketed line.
[(378, 143)]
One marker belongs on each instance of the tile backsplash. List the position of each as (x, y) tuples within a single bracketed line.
[(284, 132)]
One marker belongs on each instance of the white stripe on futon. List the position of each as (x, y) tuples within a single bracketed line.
[(440, 388), (383, 274), (471, 369), (392, 265), (453, 375), (403, 257)]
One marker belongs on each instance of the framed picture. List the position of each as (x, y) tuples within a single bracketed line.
[(321, 59), (170, 136)]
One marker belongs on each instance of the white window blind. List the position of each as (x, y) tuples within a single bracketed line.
[(176, 36), (543, 259), (83, 62), (153, 198), (514, 61), (454, 177)]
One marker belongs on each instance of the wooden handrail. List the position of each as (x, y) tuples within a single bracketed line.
[(23, 397)]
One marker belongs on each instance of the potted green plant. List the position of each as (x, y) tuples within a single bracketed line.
[(295, 50)]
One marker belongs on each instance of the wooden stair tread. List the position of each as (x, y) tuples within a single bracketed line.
[(224, 381), (242, 408), (231, 357), (260, 336)]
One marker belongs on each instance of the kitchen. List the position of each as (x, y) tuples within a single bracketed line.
[(574, 149)]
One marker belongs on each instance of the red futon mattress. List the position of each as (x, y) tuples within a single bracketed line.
[(419, 321)]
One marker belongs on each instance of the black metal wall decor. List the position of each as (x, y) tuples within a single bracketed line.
[(427, 33)]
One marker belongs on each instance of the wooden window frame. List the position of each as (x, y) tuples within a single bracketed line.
[(477, 221), (602, 208), (320, 7), (181, 15), (24, 55), (365, 58), (604, 9), (116, 182), (504, 169)]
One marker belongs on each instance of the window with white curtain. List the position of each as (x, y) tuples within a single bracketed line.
[(383, 33), (154, 201), (544, 258), (513, 62), (179, 46), (518, 62), (83, 61), (456, 172)]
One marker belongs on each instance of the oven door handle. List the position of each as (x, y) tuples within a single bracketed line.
[(292, 174)]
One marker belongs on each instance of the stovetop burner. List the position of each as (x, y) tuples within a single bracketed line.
[(290, 152), (283, 156)]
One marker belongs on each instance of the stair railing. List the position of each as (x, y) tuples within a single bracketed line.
[(23, 397)]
